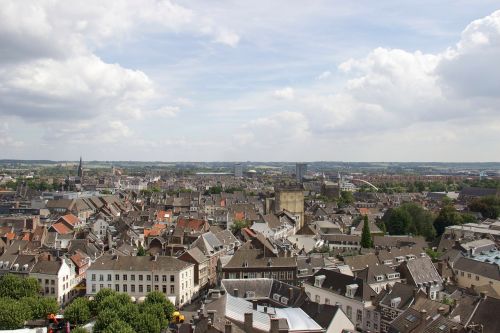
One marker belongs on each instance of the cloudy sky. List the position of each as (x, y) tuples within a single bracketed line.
[(281, 80)]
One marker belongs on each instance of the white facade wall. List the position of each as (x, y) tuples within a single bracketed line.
[(59, 286), (178, 284)]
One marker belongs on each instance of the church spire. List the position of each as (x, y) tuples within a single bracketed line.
[(80, 168)]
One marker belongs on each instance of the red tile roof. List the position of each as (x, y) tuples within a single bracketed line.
[(61, 228), (70, 219), (194, 224)]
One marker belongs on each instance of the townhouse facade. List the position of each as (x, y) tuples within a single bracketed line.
[(137, 276)]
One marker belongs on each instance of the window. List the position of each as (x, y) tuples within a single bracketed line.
[(124, 288), (141, 288), (52, 282), (124, 277), (132, 288), (349, 311), (164, 289), (148, 288), (156, 287), (109, 277), (327, 301), (164, 278), (101, 286), (109, 286), (462, 273), (132, 277), (101, 277), (46, 290), (172, 289), (117, 287), (93, 288), (117, 277), (317, 299), (93, 277), (53, 291), (172, 278), (477, 277), (157, 278), (359, 315), (148, 277), (469, 275), (140, 277)]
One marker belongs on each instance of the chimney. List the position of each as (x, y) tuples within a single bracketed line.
[(275, 325), (254, 304), (228, 327), (235, 292), (441, 310), (483, 294), (454, 329), (248, 322)]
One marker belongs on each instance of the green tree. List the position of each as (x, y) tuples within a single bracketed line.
[(448, 216), (78, 312), (238, 225), (104, 319), (79, 330), (156, 297), (489, 207), (410, 218), (141, 252), (40, 307), (397, 221), (346, 198), (147, 323), (16, 287), (13, 314), (118, 326), (114, 302), (366, 237), (99, 297)]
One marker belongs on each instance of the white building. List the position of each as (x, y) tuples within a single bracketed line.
[(138, 276), (57, 278)]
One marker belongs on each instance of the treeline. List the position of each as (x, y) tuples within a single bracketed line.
[(413, 219), (409, 218), (115, 312), (20, 301), (431, 186)]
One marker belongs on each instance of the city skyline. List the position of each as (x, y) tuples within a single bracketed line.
[(192, 81)]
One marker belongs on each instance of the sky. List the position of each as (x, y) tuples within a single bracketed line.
[(219, 80)]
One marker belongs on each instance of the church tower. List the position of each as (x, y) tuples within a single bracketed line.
[(80, 168)]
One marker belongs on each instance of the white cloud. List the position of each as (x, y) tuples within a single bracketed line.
[(403, 100), (6, 140), (324, 75), (166, 111), (284, 93), (50, 72)]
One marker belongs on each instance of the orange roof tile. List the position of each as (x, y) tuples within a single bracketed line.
[(71, 219), (61, 228)]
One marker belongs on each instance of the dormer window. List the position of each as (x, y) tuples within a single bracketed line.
[(400, 259), (388, 262), (395, 302), (351, 290), (379, 277), (318, 280)]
